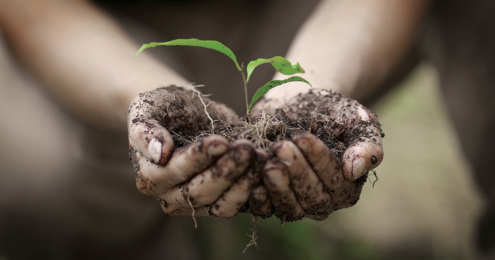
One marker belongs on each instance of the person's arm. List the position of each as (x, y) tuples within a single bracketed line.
[(349, 47), (82, 57), (85, 60)]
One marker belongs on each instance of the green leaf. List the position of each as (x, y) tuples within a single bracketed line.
[(274, 83), (281, 64), (214, 45)]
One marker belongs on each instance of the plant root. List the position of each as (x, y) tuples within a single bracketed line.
[(264, 132), (376, 176), (193, 213), (253, 236), (200, 96)]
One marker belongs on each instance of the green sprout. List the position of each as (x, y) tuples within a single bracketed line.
[(278, 62)]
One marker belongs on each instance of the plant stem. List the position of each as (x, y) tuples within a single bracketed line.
[(245, 92)]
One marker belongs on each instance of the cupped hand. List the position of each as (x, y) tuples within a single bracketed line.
[(210, 175), (311, 178)]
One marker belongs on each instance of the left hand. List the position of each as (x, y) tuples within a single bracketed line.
[(208, 177), (306, 178)]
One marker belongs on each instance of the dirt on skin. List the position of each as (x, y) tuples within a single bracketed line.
[(332, 117)]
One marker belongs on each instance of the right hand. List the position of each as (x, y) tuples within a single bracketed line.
[(306, 178), (207, 174)]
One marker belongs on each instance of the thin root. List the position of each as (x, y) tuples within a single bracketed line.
[(376, 176), (193, 213), (253, 236), (257, 131), (200, 95), (183, 138)]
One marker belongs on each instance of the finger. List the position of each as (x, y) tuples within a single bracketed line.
[(207, 186), (324, 163), (364, 155), (277, 182), (146, 135), (259, 203), (185, 163), (152, 140), (175, 203), (309, 191), (321, 216), (237, 195), (347, 194)]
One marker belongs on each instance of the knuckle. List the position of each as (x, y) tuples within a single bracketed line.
[(222, 212), (271, 177), (198, 197), (144, 186), (323, 200), (322, 208)]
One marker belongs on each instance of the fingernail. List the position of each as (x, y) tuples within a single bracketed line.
[(216, 149), (358, 167), (288, 164), (155, 150)]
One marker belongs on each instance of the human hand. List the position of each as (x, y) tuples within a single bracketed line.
[(204, 175), (306, 178)]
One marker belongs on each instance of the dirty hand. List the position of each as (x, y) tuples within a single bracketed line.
[(206, 174), (308, 179)]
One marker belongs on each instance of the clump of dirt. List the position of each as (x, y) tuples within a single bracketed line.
[(188, 116), (329, 115)]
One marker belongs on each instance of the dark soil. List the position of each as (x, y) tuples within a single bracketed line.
[(331, 117)]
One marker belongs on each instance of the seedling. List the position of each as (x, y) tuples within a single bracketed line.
[(278, 62)]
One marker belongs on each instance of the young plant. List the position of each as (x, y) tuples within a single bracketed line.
[(279, 63)]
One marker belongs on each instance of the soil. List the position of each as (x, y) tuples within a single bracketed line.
[(331, 116)]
